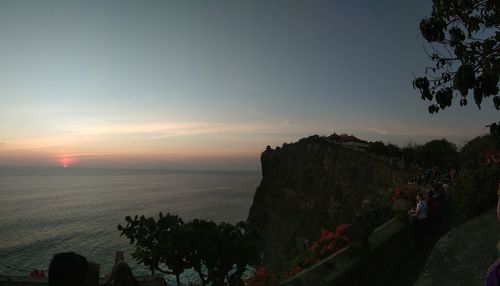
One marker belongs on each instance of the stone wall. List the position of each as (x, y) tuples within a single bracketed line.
[(388, 246)]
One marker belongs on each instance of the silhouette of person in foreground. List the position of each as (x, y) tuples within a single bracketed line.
[(122, 276), (498, 205), (68, 269), (235, 278)]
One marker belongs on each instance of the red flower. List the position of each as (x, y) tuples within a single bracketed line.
[(328, 243), (263, 277), (326, 234), (314, 246), (37, 274), (341, 229)]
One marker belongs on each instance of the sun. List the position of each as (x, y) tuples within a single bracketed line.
[(65, 162)]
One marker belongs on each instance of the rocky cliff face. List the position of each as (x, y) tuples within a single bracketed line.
[(311, 184)]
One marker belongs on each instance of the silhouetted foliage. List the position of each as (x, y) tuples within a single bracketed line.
[(475, 191), (393, 150), (409, 152), (464, 37), (158, 242), (377, 148), (439, 153), (472, 154), (494, 129), (389, 150), (210, 249)]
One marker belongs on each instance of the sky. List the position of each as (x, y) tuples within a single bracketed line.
[(209, 84)]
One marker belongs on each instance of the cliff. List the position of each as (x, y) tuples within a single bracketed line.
[(311, 184)]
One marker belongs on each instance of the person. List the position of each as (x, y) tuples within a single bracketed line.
[(420, 213), (493, 273), (122, 275), (498, 204), (68, 269), (235, 278)]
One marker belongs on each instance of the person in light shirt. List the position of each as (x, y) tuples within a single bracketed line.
[(420, 213)]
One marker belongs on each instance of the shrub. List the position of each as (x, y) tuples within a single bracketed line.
[(474, 191), (211, 250)]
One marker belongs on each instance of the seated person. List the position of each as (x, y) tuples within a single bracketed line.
[(122, 276), (68, 269)]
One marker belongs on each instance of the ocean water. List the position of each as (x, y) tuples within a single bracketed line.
[(49, 210)]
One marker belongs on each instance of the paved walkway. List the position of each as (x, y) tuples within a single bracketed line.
[(463, 255)]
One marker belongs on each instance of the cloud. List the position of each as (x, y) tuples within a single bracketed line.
[(151, 136), (409, 130), (377, 131), (162, 129)]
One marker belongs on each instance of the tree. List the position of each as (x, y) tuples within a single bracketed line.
[(211, 250), (389, 150), (494, 129), (247, 242), (393, 150), (474, 192), (220, 247), (377, 148), (440, 153), (409, 152), (158, 242), (472, 153), (465, 47)]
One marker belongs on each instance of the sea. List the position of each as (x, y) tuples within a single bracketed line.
[(44, 211)]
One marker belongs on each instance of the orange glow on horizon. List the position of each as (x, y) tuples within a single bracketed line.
[(66, 162)]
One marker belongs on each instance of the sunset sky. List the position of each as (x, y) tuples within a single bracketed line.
[(209, 84)]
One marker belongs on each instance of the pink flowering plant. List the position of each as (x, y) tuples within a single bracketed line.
[(263, 277), (329, 242)]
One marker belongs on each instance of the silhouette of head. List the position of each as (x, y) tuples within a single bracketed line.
[(124, 275), (68, 269)]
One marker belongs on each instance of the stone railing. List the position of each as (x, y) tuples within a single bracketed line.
[(366, 263)]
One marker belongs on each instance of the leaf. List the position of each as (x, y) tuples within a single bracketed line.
[(464, 79), (496, 102), (433, 109)]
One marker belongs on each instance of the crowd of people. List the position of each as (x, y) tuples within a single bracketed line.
[(429, 207), (431, 204), (434, 175), (427, 213)]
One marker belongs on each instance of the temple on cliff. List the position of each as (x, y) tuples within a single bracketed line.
[(349, 141)]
